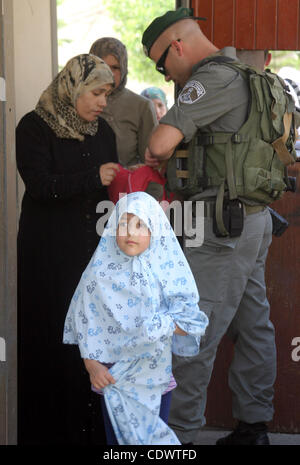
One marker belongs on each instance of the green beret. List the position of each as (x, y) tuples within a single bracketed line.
[(157, 27)]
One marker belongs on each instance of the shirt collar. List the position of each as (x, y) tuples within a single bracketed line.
[(229, 52)]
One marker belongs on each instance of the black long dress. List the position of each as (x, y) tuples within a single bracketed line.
[(57, 237)]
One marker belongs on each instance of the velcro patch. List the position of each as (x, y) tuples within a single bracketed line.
[(191, 92)]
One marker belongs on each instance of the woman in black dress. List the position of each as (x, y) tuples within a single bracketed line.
[(66, 156)]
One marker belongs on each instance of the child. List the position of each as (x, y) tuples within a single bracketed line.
[(159, 100), (136, 292)]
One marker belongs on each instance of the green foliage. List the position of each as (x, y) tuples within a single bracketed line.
[(131, 18), (60, 24), (281, 58)]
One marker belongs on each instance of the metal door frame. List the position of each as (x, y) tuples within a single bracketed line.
[(8, 232), (9, 213)]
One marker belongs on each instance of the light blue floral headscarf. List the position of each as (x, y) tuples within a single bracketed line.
[(124, 312)]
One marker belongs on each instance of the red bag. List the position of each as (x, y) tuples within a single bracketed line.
[(127, 181)]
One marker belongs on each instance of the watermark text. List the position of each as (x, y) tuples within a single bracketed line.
[(186, 218), (296, 352)]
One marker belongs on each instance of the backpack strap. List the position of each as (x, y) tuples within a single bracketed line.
[(219, 210), (229, 181), (279, 144), (182, 154)]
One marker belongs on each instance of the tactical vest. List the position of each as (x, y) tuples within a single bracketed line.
[(249, 165)]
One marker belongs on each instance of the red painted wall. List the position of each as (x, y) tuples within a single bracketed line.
[(251, 24), (259, 25)]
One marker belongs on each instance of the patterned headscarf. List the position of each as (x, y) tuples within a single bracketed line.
[(111, 46), (124, 310), (56, 105), (155, 92)]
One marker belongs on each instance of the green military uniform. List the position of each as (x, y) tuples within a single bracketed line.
[(229, 272)]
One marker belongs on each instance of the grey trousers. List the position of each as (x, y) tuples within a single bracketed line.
[(231, 283)]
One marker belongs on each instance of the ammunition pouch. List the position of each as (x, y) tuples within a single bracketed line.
[(232, 219), (279, 224)]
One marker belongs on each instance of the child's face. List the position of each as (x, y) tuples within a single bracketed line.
[(133, 236)]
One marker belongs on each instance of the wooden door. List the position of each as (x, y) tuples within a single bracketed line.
[(258, 25), (283, 287)]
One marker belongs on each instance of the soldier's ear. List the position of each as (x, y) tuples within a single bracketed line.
[(177, 44), (268, 59)]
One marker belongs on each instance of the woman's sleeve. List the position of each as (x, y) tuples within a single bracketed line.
[(147, 123), (34, 161)]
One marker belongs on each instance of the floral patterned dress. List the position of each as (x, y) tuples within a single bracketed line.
[(124, 312)]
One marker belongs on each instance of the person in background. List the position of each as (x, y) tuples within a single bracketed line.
[(66, 156), (291, 77), (159, 99), (131, 116)]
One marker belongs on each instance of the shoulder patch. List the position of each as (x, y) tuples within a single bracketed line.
[(191, 92)]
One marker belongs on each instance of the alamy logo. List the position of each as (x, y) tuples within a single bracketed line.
[(188, 219), (296, 351)]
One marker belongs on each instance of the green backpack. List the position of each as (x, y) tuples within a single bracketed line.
[(250, 165)]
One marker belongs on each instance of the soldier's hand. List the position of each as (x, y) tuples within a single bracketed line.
[(150, 160)]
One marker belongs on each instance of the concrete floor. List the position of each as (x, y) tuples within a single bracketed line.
[(209, 436)]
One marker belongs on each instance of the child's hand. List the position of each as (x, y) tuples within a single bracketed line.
[(179, 331), (99, 374)]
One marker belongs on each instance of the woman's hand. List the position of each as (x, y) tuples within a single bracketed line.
[(99, 374), (108, 172)]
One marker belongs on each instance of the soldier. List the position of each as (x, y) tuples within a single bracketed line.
[(229, 271)]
